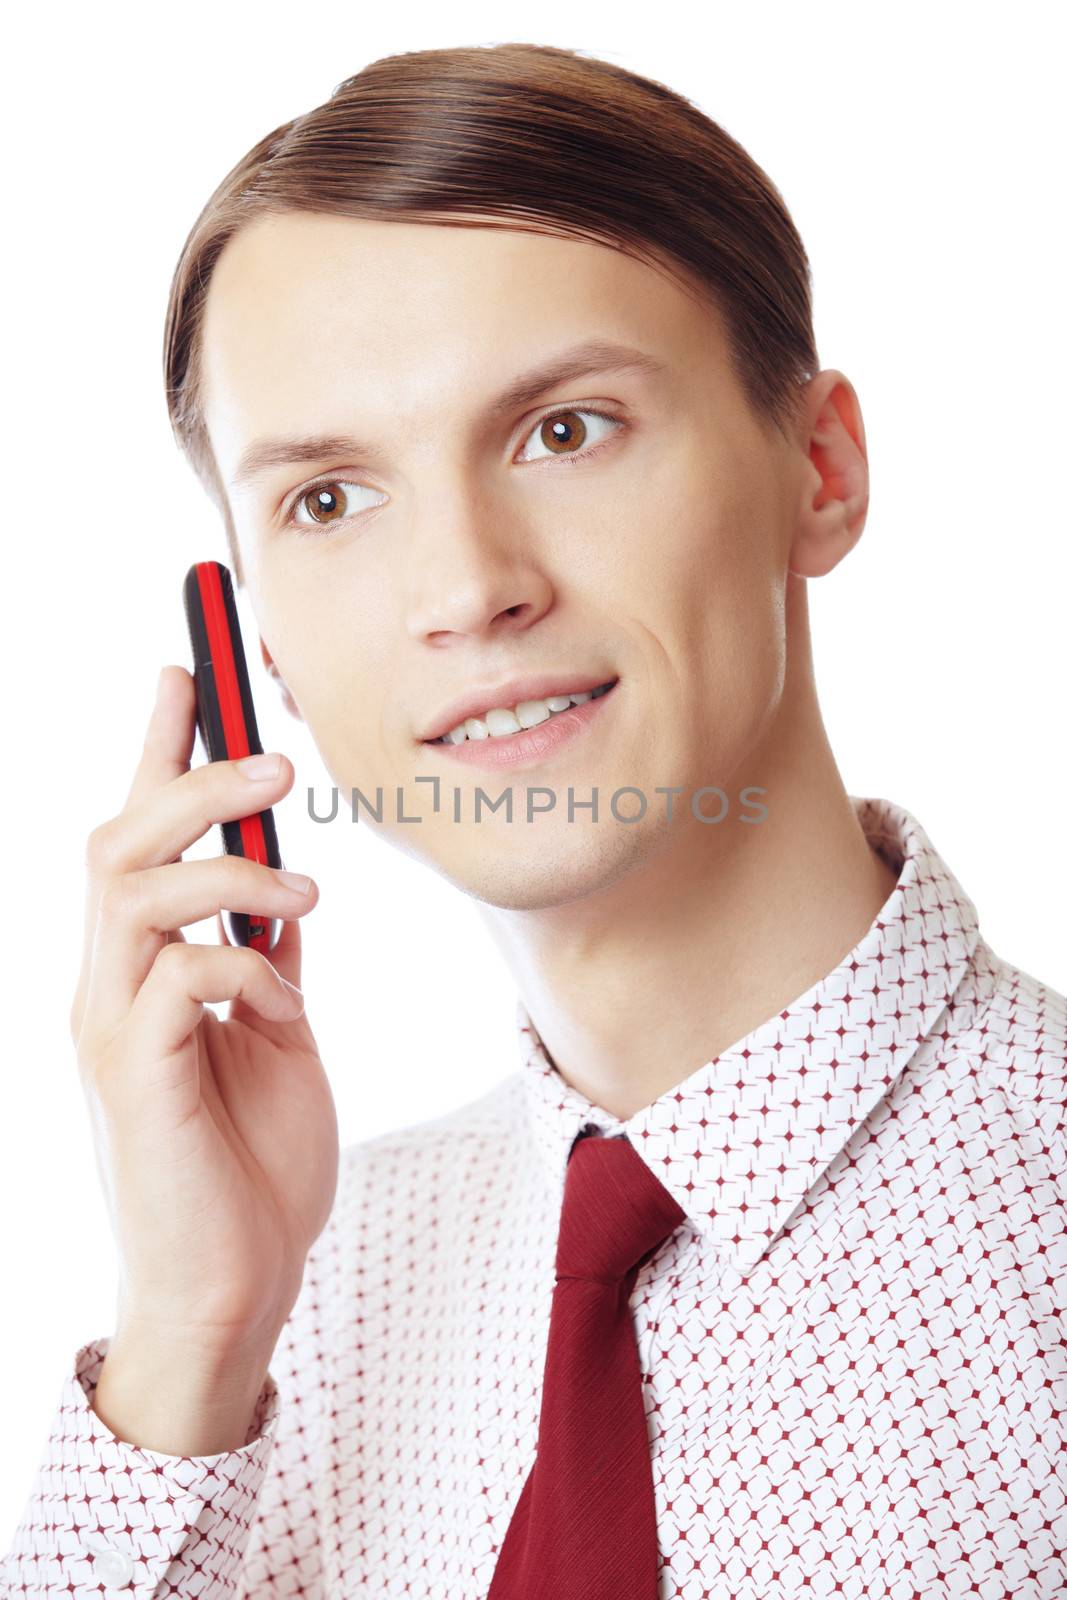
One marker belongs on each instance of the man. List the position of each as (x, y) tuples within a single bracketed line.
[(795, 1331)]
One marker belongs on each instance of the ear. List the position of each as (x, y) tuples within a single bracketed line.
[(287, 699), (835, 487)]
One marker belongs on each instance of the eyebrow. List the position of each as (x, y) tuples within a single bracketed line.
[(579, 361)]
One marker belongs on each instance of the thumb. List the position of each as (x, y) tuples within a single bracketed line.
[(286, 955)]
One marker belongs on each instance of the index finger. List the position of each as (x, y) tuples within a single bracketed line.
[(169, 737), (168, 748)]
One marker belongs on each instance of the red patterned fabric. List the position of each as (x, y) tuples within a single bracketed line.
[(585, 1524), (852, 1349)]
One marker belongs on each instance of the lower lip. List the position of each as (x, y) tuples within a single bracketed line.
[(530, 746)]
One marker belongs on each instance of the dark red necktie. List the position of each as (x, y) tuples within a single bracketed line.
[(584, 1526)]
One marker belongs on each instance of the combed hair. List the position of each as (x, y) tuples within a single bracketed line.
[(525, 136)]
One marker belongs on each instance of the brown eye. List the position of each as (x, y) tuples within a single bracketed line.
[(567, 435), (327, 502), (563, 433), (336, 500)]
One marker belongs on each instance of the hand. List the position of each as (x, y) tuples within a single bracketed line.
[(216, 1141)]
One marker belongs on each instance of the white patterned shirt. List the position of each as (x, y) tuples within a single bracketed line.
[(853, 1348)]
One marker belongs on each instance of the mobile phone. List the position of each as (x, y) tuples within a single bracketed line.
[(226, 720)]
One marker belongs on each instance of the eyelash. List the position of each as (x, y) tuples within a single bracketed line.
[(316, 531)]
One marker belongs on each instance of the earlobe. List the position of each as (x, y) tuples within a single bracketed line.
[(287, 699), (835, 483)]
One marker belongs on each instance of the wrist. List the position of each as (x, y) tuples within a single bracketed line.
[(211, 1351), (180, 1396)]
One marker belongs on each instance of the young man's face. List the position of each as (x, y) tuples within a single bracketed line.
[(459, 548)]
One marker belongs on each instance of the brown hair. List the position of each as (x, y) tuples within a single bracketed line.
[(547, 140)]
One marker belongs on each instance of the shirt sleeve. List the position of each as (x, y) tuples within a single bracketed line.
[(108, 1520)]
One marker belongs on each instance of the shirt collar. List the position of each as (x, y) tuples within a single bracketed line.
[(741, 1140)]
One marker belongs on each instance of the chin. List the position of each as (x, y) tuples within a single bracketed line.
[(541, 877)]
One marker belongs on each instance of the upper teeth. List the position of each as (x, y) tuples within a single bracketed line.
[(509, 719)]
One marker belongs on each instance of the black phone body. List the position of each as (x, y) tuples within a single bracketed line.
[(226, 720)]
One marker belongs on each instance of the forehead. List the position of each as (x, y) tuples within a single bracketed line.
[(309, 316)]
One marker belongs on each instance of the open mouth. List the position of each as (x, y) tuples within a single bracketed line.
[(502, 723)]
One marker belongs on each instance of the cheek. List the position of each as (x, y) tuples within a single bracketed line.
[(741, 624), (335, 671), (694, 552), (697, 574), (327, 625)]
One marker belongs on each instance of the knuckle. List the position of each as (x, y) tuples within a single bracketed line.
[(248, 875), (207, 791), (90, 1052), (209, 778), (120, 895), (102, 848), (251, 960), (234, 871), (173, 960)]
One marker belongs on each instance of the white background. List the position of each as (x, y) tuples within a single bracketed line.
[(920, 151)]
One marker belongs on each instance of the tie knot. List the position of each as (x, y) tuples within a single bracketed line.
[(615, 1211)]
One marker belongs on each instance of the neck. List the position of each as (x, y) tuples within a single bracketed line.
[(635, 987)]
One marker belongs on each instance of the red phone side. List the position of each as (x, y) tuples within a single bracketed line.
[(227, 721)]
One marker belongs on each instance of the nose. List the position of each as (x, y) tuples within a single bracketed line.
[(474, 572)]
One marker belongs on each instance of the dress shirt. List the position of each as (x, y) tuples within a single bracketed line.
[(853, 1351)]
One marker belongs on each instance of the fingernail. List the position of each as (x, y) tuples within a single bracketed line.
[(295, 880), (260, 767)]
